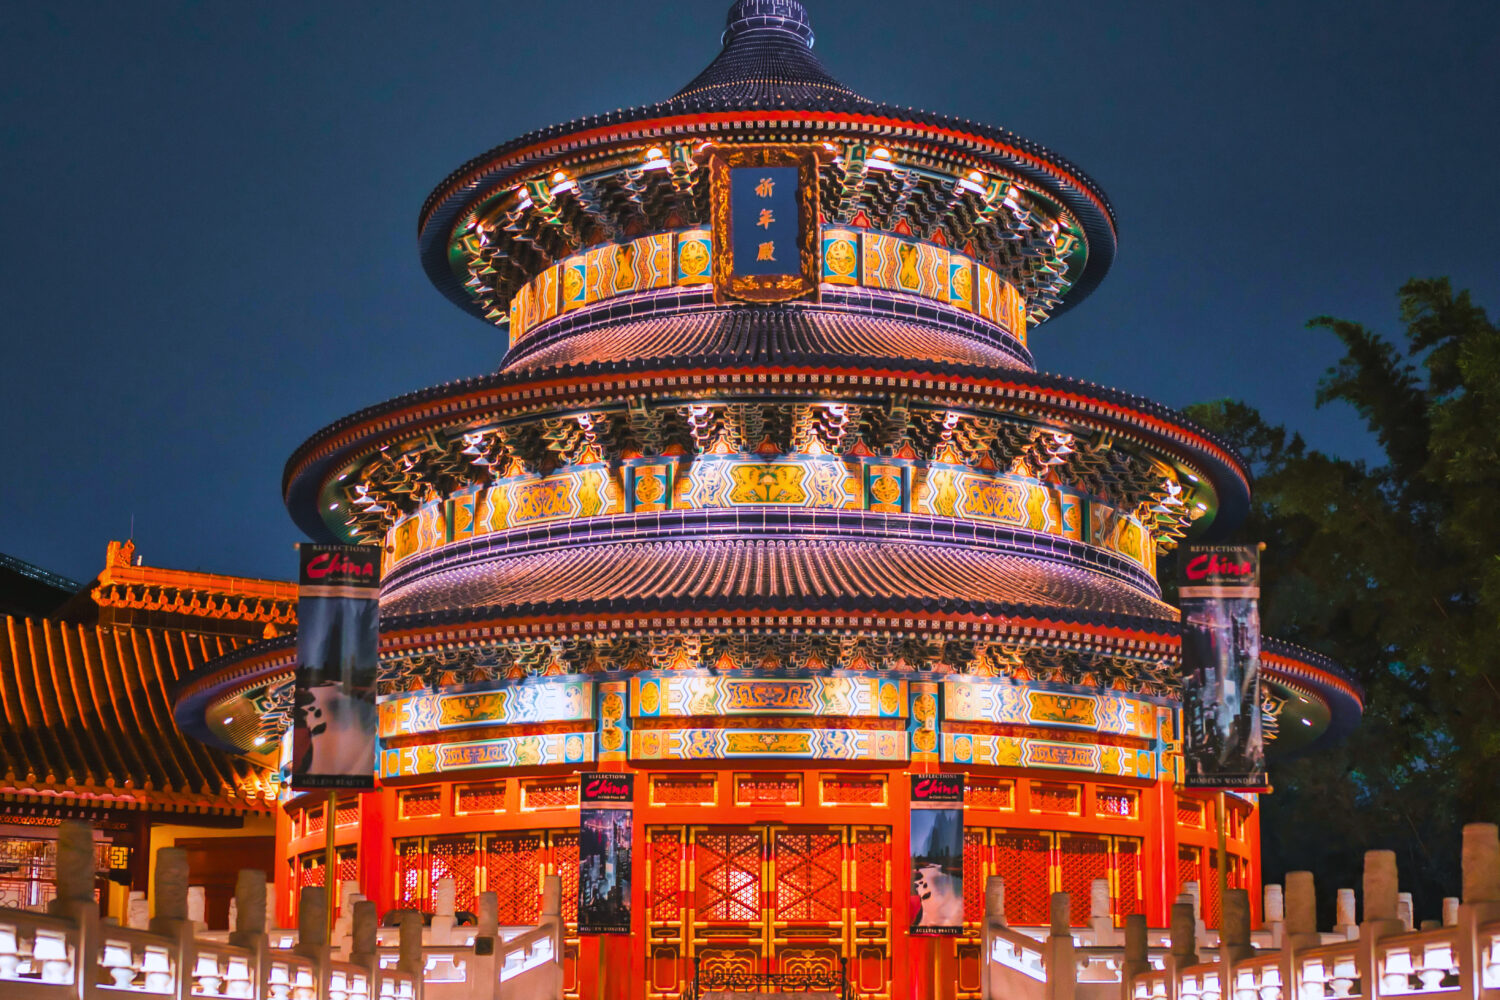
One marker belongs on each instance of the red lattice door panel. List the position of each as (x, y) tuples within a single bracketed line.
[(513, 872), (666, 911), (455, 857), (1080, 860), (727, 870), (976, 870), (1024, 860), (411, 875), (807, 900), (1128, 878)]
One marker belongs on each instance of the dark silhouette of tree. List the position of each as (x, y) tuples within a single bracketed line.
[(1394, 570)]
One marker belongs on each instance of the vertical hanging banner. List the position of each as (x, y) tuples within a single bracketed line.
[(1222, 742), (338, 640), (936, 904), (764, 202), (606, 807)]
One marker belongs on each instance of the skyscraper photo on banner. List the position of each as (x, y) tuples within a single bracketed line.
[(936, 903), (1222, 742), (338, 641), (605, 812)]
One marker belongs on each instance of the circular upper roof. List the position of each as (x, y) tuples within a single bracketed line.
[(765, 85)]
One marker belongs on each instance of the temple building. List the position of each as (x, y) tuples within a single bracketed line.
[(768, 507), (86, 732)]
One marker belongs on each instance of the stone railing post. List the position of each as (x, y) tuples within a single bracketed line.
[(312, 933), (1381, 889), (552, 918), (410, 961), (444, 907), (1101, 920), (1062, 959), (1234, 935), (1273, 910), (1450, 911), (169, 903), (249, 930), (1481, 901), (75, 899), (1405, 911), (1137, 956), (1344, 923), (484, 984), (1184, 944), (994, 916), (364, 950)]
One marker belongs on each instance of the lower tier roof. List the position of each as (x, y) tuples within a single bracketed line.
[(764, 574)]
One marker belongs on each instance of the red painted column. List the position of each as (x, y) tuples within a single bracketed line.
[(285, 889), (377, 880), (1161, 853)]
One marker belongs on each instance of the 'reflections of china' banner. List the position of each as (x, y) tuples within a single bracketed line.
[(604, 816), (1222, 742), (936, 902), (338, 641)]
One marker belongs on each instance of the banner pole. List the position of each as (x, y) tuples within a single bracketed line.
[(1221, 814), (330, 856)]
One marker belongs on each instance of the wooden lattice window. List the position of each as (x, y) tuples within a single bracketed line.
[(1081, 860), (549, 793), (513, 872), (312, 821), (348, 815), (420, 803), (1047, 797), (809, 875), (684, 790), (481, 799), (1188, 868), (853, 790), (664, 891), (728, 876), (1190, 814), (1120, 803), (1023, 859), (984, 794), (762, 789)]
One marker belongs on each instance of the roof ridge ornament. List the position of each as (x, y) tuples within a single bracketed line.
[(777, 15)]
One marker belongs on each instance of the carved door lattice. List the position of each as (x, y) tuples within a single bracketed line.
[(768, 899)]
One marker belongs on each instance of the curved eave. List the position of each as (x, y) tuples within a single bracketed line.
[(1287, 666), (1303, 671), (472, 401), (691, 118)]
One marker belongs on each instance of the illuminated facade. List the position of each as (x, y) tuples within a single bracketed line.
[(768, 506)]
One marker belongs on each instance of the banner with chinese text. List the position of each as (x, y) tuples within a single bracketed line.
[(606, 806), (936, 901), (338, 640), (1222, 742)]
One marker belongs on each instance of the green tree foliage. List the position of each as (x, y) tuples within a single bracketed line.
[(1394, 570)]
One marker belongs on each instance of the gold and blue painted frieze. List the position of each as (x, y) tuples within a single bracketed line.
[(1002, 701), (879, 746), (527, 702), (534, 750), (849, 257), (685, 695), (817, 482), (1001, 750)]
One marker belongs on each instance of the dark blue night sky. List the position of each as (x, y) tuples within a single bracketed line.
[(209, 210)]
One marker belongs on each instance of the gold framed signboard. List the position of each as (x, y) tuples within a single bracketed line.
[(765, 217)]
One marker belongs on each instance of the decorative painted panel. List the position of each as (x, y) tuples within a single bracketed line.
[(526, 702), (849, 257), (1006, 702), (804, 744), (854, 697), (992, 750), (507, 751)]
